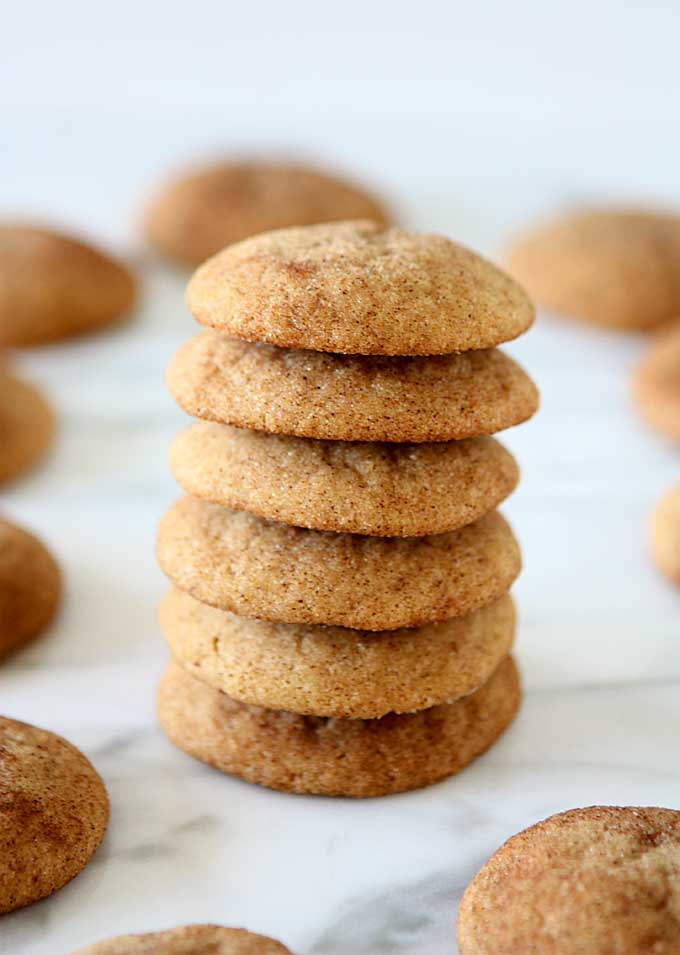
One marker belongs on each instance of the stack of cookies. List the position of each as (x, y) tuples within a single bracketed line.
[(339, 619)]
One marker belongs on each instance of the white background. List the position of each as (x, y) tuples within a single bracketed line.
[(472, 119)]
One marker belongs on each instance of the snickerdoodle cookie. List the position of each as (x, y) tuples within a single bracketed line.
[(332, 671), (350, 398), (53, 287), (665, 535), (657, 383), (188, 940), (30, 587), (256, 568), (201, 212), (610, 267), (26, 426), (391, 490), (308, 754), (359, 288), (598, 881), (53, 813)]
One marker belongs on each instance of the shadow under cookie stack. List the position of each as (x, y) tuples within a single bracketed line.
[(339, 618)]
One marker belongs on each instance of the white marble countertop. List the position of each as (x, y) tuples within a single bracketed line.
[(599, 638)]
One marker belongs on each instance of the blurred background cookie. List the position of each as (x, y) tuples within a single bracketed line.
[(54, 811), (656, 385), (26, 425), (30, 587), (53, 287), (665, 535), (188, 940), (611, 267), (201, 211)]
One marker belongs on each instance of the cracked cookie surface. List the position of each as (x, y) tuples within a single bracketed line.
[(256, 568), (359, 288), (603, 880), (382, 489)]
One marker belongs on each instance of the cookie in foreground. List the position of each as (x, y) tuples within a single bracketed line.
[(598, 881), (188, 940), (54, 811)]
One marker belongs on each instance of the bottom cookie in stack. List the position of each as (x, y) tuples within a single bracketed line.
[(346, 712)]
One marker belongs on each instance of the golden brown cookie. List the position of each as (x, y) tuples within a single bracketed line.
[(30, 587), (358, 288), (199, 213), (53, 813), (390, 490), (665, 535), (189, 940), (657, 383), (329, 757), (611, 267), (332, 671), (53, 287), (598, 881), (350, 398), (26, 426), (256, 568)]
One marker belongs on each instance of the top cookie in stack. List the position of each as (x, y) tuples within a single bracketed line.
[(360, 501)]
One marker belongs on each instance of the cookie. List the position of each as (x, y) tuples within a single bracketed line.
[(358, 288), (656, 383), (53, 287), (189, 940), (349, 398), (331, 671), (202, 211), (256, 568), (26, 426), (615, 268), (602, 881), (30, 587), (54, 810), (665, 535), (390, 490), (329, 757)]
